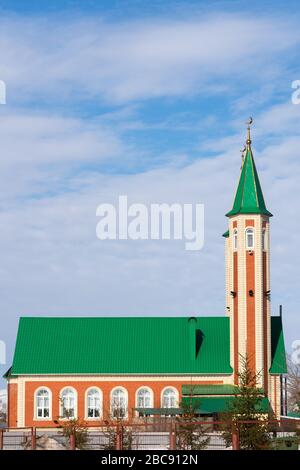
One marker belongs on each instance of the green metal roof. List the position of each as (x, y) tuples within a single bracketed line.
[(203, 405), (226, 234), (293, 414), (278, 353), (219, 404), (209, 389), (121, 345), (249, 198)]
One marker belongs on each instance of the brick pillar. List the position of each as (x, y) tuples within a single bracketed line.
[(72, 442), (119, 438), (173, 438), (33, 438)]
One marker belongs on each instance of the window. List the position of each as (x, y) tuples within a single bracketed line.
[(264, 239), (68, 403), (144, 398), (169, 398), (42, 401), (93, 403), (235, 240), (249, 239), (119, 403)]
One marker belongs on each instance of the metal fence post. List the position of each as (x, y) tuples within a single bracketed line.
[(72, 441), (33, 438)]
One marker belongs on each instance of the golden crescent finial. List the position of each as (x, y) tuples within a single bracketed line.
[(249, 122)]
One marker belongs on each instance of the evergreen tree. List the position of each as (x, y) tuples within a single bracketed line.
[(244, 413), (190, 435)]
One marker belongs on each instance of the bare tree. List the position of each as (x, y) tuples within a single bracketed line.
[(293, 385), (2, 416), (117, 427), (73, 426)]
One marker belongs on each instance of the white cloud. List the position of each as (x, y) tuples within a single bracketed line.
[(51, 261), (141, 59), (54, 262), (40, 151)]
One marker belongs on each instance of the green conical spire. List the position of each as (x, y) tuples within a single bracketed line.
[(249, 198)]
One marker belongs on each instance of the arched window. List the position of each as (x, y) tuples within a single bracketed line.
[(93, 403), (249, 239), (43, 403), (169, 398), (235, 240), (264, 239), (118, 403), (144, 398), (68, 403)]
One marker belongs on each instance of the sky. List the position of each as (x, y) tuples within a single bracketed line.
[(147, 99)]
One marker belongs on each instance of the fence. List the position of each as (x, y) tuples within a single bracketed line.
[(200, 435)]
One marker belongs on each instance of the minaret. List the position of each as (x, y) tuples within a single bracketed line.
[(248, 272)]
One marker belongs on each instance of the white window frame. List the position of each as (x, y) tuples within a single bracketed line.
[(93, 418), (41, 418), (61, 403), (176, 397), (143, 387), (119, 387), (235, 239), (247, 231)]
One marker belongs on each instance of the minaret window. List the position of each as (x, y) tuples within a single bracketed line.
[(235, 240), (264, 240), (249, 239)]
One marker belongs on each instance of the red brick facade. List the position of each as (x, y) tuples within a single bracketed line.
[(235, 317), (81, 387)]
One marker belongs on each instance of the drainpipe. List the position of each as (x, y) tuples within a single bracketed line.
[(286, 396), (282, 395)]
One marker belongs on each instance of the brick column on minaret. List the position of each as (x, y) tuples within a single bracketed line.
[(250, 304), (235, 313), (266, 309), (265, 323)]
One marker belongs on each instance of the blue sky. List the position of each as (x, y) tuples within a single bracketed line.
[(123, 8), (147, 99)]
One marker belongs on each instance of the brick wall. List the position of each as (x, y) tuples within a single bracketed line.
[(105, 386)]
